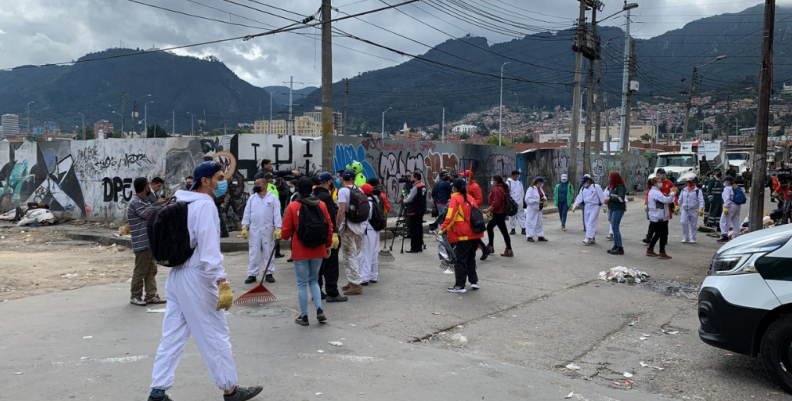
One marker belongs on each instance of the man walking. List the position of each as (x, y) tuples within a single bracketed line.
[(261, 224), (198, 293), (328, 272), (145, 265), (441, 194), (517, 193), (416, 208), (351, 236)]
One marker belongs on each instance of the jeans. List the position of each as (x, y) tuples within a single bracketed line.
[(660, 232), (499, 220), (465, 267), (563, 208), (307, 271), (615, 220)]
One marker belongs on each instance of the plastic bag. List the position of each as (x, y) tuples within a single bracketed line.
[(445, 251)]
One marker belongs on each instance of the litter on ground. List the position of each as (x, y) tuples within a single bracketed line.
[(335, 343), (643, 365), (569, 395), (155, 310), (572, 366), (621, 274)]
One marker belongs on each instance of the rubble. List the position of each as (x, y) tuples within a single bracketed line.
[(621, 274)]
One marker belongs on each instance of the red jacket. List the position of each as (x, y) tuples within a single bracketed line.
[(497, 197), (291, 221), (474, 190), (457, 221)]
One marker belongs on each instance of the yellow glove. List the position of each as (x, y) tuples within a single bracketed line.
[(276, 235), (336, 241), (726, 211), (775, 194), (329, 250), (605, 209), (676, 210), (226, 297), (544, 203), (573, 208), (701, 212), (442, 231), (489, 216), (244, 233), (646, 207)]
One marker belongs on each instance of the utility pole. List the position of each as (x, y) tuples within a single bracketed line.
[(607, 130), (693, 78), (443, 126), (578, 47), (598, 103), (728, 122), (327, 87), (590, 94), (625, 121), (762, 119), (382, 134), (225, 127), (123, 101), (346, 95), (134, 117), (657, 125), (173, 123), (500, 108), (628, 106)]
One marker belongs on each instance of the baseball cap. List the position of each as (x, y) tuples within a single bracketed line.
[(661, 171), (539, 179), (564, 176), (325, 176), (728, 178), (348, 175), (205, 169), (367, 189)]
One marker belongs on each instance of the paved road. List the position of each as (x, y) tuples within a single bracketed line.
[(402, 339)]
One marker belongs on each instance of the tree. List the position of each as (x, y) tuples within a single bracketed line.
[(482, 130), (89, 133), (159, 133), (118, 134), (464, 136), (646, 138), (526, 139), (493, 141), (216, 132)]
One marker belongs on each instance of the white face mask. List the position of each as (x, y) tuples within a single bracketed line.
[(291, 189), (492, 183)]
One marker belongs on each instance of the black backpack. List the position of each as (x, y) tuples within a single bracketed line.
[(509, 205), (358, 209), (477, 219), (378, 218), (168, 235), (312, 229)]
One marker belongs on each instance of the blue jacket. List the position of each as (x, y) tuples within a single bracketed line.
[(441, 193)]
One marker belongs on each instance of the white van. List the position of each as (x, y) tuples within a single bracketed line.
[(745, 303)]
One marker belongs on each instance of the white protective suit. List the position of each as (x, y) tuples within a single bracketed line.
[(592, 197), (533, 218), (690, 202), (517, 193), (262, 216), (369, 258), (192, 294), (731, 220)]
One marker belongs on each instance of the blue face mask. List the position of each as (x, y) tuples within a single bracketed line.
[(660, 185), (586, 185), (338, 183), (222, 187), (564, 180)]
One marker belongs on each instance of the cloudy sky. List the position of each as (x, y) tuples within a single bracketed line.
[(50, 31)]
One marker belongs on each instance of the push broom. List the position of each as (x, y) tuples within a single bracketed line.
[(258, 294)]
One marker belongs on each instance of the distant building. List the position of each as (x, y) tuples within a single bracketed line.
[(10, 123), (303, 126), (464, 129), (316, 115), (103, 128)]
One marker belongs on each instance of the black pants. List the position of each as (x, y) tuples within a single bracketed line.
[(651, 231), (499, 220), (329, 271), (660, 232), (465, 267), (416, 234)]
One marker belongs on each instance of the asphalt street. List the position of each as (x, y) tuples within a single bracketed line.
[(407, 338)]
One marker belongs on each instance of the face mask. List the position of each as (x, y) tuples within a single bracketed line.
[(492, 183), (586, 185), (222, 186), (659, 185), (564, 180), (291, 189), (691, 184), (338, 182), (256, 190), (661, 176)]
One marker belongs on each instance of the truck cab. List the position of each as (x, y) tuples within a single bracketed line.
[(681, 165), (740, 160)]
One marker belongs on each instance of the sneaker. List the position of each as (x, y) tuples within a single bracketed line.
[(530, 239), (474, 286), (269, 278), (346, 287), (646, 240), (354, 290), (337, 298), (563, 228), (684, 240), (373, 281), (250, 280), (302, 320), (279, 255), (290, 260), (156, 300), (163, 398), (541, 239), (456, 289), (593, 241), (522, 232), (137, 301), (724, 239), (320, 316), (609, 237), (588, 241), (244, 393), (324, 296), (512, 232), (365, 283), (508, 253), (692, 242)]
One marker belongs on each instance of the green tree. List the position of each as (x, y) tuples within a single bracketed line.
[(526, 139), (216, 132), (155, 131), (482, 130), (118, 134), (646, 138), (89, 133), (716, 133), (493, 141)]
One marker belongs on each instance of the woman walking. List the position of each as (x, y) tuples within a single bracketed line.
[(307, 260), (460, 232), (497, 199), (691, 201), (659, 215), (536, 200), (591, 197), (564, 196), (617, 205)]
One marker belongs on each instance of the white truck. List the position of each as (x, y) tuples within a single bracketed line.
[(740, 160), (693, 160)]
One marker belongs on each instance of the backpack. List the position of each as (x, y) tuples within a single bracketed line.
[(312, 228), (739, 197), (168, 235), (358, 209), (477, 221), (509, 206), (378, 218)]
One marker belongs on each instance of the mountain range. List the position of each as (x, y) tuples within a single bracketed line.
[(460, 75)]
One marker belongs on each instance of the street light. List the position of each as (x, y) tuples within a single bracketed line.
[(500, 123), (145, 116), (28, 116), (83, 125), (693, 79), (382, 134), (192, 123), (270, 120)]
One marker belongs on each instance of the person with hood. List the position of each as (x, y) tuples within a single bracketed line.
[(357, 167), (497, 198), (369, 259), (307, 259), (261, 225), (328, 272), (415, 205), (199, 295), (460, 232), (715, 191), (536, 200), (617, 206), (659, 214), (591, 197), (517, 193), (564, 197), (731, 211), (691, 201), (474, 190)]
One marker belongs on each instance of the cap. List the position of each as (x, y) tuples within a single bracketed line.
[(367, 189), (585, 179), (586, 176), (564, 177), (693, 180), (516, 172), (468, 173), (325, 176), (717, 170), (539, 179), (348, 175), (205, 169), (374, 181), (728, 178), (661, 171), (304, 186)]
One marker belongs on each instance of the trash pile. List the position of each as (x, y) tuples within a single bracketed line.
[(621, 274)]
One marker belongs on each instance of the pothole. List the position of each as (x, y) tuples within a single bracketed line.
[(673, 288), (267, 312)]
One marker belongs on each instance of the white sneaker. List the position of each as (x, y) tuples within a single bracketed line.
[(586, 241), (692, 242), (457, 290), (684, 241), (474, 286)]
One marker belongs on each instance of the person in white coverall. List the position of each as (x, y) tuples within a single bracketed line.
[(592, 197), (369, 260), (199, 295), (517, 193), (691, 201), (731, 211), (261, 225), (536, 200)]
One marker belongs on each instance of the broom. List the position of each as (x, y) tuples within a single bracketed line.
[(258, 294)]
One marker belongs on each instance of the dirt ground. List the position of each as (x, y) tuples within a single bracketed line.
[(42, 260)]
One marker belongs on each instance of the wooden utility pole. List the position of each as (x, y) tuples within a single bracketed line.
[(327, 87), (590, 98), (346, 95), (225, 128), (728, 122), (628, 119), (123, 101), (755, 215), (573, 137), (693, 78), (598, 104)]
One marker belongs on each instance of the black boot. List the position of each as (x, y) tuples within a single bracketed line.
[(724, 239), (523, 231), (512, 232)]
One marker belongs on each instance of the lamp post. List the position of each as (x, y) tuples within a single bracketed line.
[(28, 116), (145, 118), (382, 134), (192, 123), (270, 120), (82, 127), (500, 123)]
